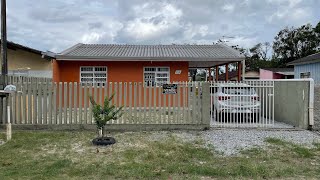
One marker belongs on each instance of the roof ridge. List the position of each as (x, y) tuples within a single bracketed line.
[(150, 44), (70, 49), (232, 49)]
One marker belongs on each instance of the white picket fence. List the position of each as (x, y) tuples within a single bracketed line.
[(43, 102)]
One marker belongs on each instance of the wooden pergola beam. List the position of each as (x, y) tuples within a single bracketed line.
[(217, 73), (239, 71)]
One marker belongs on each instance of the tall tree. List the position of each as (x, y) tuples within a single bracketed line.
[(294, 43), (260, 51), (257, 57)]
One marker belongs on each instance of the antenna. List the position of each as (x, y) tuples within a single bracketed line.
[(227, 37)]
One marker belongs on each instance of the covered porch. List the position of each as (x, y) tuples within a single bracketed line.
[(213, 68)]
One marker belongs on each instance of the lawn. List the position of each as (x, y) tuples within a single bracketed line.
[(148, 155)]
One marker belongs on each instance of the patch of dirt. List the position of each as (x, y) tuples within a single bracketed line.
[(78, 148)]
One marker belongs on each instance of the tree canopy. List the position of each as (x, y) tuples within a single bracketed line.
[(289, 44), (294, 43)]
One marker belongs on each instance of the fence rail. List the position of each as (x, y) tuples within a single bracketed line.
[(49, 103), (12, 79)]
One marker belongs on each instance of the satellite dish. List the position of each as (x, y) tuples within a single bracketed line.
[(10, 88)]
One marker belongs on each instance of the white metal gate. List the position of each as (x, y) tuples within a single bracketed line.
[(242, 104)]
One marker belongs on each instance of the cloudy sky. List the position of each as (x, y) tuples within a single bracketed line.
[(58, 24)]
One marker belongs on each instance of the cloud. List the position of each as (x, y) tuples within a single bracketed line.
[(58, 24), (246, 42), (152, 21), (95, 25), (290, 12), (289, 3), (228, 7)]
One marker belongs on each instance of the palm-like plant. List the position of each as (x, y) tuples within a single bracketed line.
[(105, 113)]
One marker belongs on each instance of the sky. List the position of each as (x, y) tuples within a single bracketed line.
[(55, 25)]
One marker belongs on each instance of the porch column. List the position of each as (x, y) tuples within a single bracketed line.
[(239, 71), (217, 73), (209, 78), (243, 69), (227, 71)]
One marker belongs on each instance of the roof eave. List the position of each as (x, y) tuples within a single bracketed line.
[(303, 62), (102, 58)]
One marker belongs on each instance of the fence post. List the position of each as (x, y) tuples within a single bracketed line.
[(205, 105)]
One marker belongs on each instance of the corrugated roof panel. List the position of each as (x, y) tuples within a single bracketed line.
[(151, 51)]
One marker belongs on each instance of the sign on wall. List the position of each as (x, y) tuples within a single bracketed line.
[(178, 72), (169, 88)]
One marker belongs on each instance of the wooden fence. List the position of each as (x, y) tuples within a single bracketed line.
[(48, 103), (11, 79)]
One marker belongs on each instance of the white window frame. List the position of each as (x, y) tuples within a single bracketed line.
[(304, 75), (93, 83), (156, 72)]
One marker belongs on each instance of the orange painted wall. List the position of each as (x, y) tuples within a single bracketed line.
[(69, 71)]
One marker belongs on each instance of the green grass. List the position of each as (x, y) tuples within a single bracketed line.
[(70, 155), (297, 149)]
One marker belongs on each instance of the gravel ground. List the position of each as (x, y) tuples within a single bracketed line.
[(231, 141)]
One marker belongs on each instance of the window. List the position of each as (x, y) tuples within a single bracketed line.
[(305, 75), (156, 76), (93, 75)]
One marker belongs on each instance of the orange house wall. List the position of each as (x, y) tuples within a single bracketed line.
[(69, 71)]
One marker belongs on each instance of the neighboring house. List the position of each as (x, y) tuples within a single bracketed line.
[(307, 67), (153, 64), (277, 73), (26, 61), (233, 76)]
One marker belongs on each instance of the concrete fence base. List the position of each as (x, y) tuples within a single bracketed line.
[(113, 127)]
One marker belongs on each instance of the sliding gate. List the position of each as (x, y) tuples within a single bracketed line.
[(242, 104)]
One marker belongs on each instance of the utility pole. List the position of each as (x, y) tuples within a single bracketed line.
[(4, 60)]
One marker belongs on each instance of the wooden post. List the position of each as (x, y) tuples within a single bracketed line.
[(209, 78), (4, 60), (239, 71), (227, 71), (217, 73), (243, 69)]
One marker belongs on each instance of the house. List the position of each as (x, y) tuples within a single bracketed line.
[(26, 61), (233, 75), (307, 67), (277, 73), (152, 64)]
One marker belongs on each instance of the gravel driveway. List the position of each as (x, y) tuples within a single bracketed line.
[(232, 141)]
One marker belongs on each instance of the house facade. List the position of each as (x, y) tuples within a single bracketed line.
[(233, 76), (151, 64), (277, 73), (26, 61), (307, 67)]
